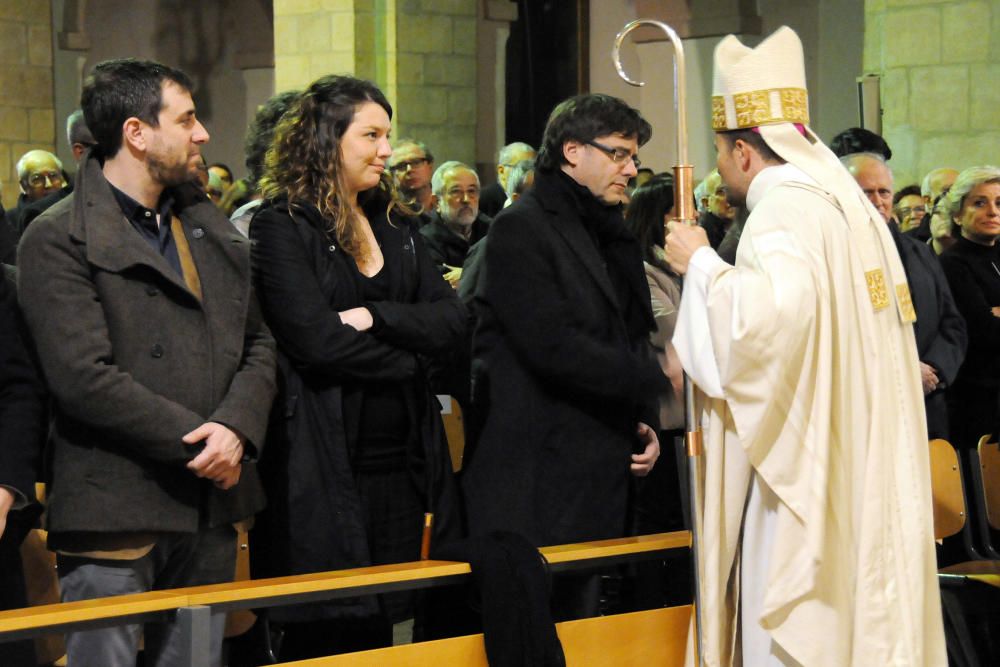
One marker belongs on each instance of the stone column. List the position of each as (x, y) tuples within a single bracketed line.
[(436, 76), (26, 106), (422, 53), (939, 63)]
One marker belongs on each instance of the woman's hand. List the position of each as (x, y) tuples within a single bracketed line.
[(359, 318)]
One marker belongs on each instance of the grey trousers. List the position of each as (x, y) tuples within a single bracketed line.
[(176, 560)]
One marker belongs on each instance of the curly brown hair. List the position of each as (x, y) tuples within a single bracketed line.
[(303, 163)]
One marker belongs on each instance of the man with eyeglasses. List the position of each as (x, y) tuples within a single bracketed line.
[(456, 223), (40, 174), (564, 385), (411, 165), (940, 329), (908, 208), (80, 140)]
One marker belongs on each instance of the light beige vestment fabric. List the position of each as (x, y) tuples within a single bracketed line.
[(814, 400)]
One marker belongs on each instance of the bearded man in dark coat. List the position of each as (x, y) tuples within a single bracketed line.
[(136, 291)]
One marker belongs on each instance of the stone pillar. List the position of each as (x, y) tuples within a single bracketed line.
[(436, 76), (939, 63), (422, 53), (27, 118), (313, 38)]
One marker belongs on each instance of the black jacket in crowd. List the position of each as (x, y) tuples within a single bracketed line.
[(491, 199), (314, 520), (22, 430), (562, 368), (447, 247), (973, 273), (940, 329)]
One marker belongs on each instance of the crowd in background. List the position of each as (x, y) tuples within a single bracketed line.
[(367, 258)]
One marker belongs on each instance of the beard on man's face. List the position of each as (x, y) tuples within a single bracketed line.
[(170, 174)]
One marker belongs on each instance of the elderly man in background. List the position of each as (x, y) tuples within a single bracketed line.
[(457, 222), (719, 214), (933, 188), (940, 329), (42, 179), (80, 140), (494, 196)]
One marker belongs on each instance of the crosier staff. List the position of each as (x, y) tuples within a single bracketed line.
[(684, 214)]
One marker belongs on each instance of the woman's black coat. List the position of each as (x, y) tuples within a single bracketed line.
[(303, 277)]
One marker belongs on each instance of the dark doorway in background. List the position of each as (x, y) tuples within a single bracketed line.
[(547, 59)]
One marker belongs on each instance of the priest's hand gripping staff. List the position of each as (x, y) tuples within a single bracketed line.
[(684, 214)]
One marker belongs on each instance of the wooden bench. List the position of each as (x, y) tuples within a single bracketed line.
[(654, 638), (199, 602)]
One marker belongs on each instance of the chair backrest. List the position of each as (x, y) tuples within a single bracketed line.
[(946, 487), (989, 461)]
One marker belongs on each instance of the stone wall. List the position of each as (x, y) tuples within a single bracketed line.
[(940, 66), (422, 53), (436, 76), (26, 108)]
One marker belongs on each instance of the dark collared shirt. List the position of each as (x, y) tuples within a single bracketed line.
[(143, 220)]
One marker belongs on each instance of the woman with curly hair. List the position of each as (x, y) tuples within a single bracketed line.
[(355, 453)]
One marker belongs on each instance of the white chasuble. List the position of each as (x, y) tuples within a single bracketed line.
[(817, 500)]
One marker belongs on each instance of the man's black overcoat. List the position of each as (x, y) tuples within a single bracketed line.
[(562, 369)]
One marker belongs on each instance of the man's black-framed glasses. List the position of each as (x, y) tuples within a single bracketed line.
[(401, 167), (617, 155)]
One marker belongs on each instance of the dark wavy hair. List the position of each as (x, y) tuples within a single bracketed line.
[(644, 217), (584, 118), (260, 132), (303, 163)]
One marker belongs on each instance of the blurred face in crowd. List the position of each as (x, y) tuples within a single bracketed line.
[(910, 211), (459, 202), (42, 175), (173, 153), (214, 189), (875, 181), (410, 166), (364, 148), (224, 176), (941, 227), (503, 170), (979, 216), (941, 181), (718, 204), (603, 166)]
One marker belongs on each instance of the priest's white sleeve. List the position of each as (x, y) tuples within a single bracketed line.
[(692, 335)]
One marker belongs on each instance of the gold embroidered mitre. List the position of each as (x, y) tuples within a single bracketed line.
[(761, 86)]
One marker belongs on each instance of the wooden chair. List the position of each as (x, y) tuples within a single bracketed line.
[(969, 588), (454, 429), (950, 510), (986, 491), (654, 638)]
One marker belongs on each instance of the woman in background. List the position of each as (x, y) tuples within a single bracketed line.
[(355, 453), (972, 266), (658, 506)]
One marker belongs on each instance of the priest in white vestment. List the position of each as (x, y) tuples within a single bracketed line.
[(816, 536)]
